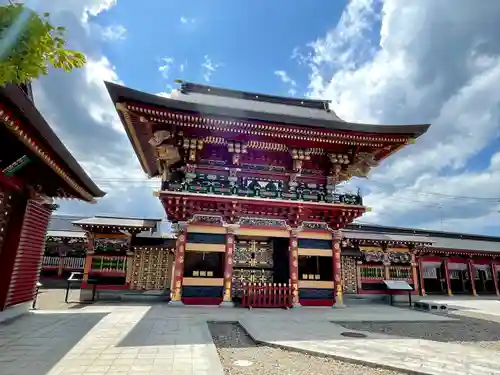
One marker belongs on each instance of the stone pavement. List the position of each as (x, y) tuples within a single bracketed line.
[(481, 305), (158, 339), (107, 340)]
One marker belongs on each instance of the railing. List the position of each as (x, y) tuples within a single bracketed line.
[(306, 195), (73, 263), (50, 261), (67, 262), (267, 295)]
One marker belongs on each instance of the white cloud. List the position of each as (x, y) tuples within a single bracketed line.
[(185, 20), (170, 94), (285, 78), (417, 75), (209, 67), (80, 111), (114, 33), (166, 66), (83, 9)]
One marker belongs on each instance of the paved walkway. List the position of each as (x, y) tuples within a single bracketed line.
[(481, 305), (156, 339), (107, 340)]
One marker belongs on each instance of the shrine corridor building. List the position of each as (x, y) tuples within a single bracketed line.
[(35, 167), (129, 258), (250, 183)]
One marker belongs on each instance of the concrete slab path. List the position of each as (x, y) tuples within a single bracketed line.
[(156, 339)]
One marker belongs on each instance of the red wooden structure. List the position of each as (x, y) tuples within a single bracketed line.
[(34, 168), (242, 165), (267, 295)]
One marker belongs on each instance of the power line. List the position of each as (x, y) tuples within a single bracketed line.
[(451, 196), (427, 205), (411, 190)]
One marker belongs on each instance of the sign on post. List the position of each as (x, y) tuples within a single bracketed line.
[(401, 285), (397, 285)]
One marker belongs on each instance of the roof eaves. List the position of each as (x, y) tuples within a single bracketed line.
[(120, 93), (19, 99)]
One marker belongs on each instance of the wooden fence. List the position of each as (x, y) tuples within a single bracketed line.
[(267, 295)]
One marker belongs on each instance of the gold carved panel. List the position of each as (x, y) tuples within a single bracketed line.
[(152, 269)]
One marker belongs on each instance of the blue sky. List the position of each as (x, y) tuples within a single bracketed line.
[(378, 61), (248, 42)]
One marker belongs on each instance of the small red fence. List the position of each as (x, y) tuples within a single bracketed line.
[(267, 295)]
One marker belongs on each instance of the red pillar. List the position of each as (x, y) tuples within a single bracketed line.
[(472, 277), (87, 266), (447, 276), (228, 265), (414, 273), (421, 275), (180, 249), (293, 258), (494, 276), (337, 270), (60, 266)]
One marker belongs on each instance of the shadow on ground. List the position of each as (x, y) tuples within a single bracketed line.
[(34, 343), (463, 329)]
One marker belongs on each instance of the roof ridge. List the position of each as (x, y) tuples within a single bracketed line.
[(190, 87), (124, 217)]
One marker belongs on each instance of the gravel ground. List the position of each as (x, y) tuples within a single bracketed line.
[(469, 330), (233, 344)]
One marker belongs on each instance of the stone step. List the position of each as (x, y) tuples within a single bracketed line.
[(430, 307)]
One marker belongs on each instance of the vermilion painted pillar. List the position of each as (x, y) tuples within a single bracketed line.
[(447, 276), (60, 266), (494, 276), (228, 266), (421, 275), (359, 286), (293, 257), (472, 277), (129, 268), (129, 260), (88, 258), (180, 250), (414, 273), (387, 269), (337, 270)]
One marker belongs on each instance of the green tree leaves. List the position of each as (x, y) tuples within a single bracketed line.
[(30, 44)]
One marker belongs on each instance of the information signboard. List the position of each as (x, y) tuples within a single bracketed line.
[(397, 285)]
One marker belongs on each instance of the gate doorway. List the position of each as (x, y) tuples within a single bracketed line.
[(262, 260)]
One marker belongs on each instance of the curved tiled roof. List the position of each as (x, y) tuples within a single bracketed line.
[(275, 109), (64, 223)]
